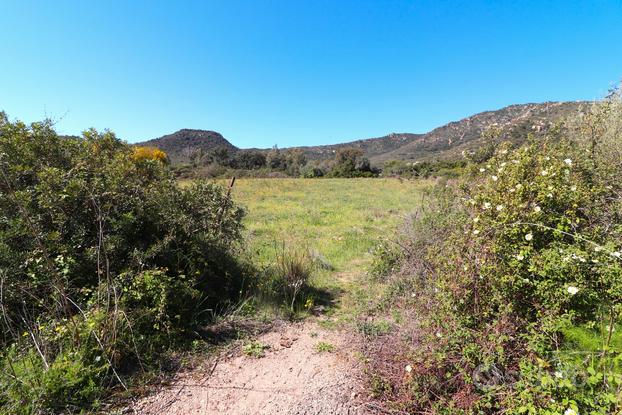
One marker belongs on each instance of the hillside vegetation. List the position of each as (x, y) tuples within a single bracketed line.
[(447, 142), (181, 145)]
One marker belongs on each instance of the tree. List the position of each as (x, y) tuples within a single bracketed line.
[(275, 159), (249, 160)]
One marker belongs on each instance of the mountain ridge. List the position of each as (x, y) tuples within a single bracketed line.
[(514, 122)]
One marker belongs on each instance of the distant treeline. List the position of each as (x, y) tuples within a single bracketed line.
[(347, 162)]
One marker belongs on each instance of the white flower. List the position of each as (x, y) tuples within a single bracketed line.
[(476, 219), (499, 208), (495, 178), (573, 188), (550, 195), (476, 231), (559, 374), (568, 162), (520, 257), (598, 248), (481, 170), (529, 236), (408, 368), (616, 254), (572, 290), (537, 209), (547, 158), (486, 205), (570, 411), (413, 295), (438, 334), (544, 172)]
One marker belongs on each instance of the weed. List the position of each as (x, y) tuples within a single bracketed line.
[(323, 347), (374, 328), (255, 349), (293, 268)]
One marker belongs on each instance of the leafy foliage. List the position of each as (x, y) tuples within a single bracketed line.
[(104, 259), (530, 255)]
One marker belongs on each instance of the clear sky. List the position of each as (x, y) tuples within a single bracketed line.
[(296, 72)]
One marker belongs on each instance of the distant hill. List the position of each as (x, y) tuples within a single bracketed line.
[(180, 144), (448, 141), (514, 121), (371, 146)]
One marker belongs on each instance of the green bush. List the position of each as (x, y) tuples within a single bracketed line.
[(69, 382), (386, 258), (88, 230), (531, 256)]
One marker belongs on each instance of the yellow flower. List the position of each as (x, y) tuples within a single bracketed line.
[(148, 153)]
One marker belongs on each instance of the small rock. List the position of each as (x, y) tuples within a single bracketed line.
[(286, 342)]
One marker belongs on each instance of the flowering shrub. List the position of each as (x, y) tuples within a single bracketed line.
[(141, 153), (536, 214), (531, 256)]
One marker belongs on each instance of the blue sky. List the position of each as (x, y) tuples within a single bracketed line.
[(297, 72)]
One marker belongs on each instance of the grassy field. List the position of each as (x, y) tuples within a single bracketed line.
[(338, 219)]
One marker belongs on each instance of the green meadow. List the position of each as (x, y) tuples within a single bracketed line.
[(337, 220)]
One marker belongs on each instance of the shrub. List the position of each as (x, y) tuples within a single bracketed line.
[(142, 153), (349, 162), (69, 382), (92, 227), (310, 172), (386, 257), (531, 256)]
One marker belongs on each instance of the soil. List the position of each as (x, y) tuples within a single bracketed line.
[(292, 377)]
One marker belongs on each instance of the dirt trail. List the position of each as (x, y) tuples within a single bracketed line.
[(292, 378)]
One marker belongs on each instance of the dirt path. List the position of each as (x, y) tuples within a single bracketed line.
[(292, 378)]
